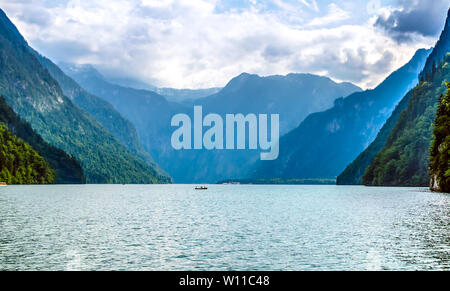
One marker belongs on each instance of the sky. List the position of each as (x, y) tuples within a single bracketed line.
[(204, 43)]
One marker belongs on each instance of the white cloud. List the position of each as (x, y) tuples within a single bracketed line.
[(188, 44), (335, 14)]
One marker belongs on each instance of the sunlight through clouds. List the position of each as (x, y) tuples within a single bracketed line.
[(194, 44)]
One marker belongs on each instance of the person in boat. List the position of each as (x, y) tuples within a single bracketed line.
[(201, 188)]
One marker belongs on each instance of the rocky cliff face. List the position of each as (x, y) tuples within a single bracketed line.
[(434, 186)]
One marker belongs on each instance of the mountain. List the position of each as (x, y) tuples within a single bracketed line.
[(185, 96), (124, 81), (293, 96), (151, 114), (404, 159), (20, 163), (68, 169), (440, 148), (102, 111), (354, 172), (32, 93), (148, 111), (326, 142)]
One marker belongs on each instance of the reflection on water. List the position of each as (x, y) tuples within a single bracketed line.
[(227, 227)]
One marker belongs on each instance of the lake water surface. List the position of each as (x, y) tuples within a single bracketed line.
[(227, 227)]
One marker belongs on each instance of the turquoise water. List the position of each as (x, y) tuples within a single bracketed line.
[(227, 227)]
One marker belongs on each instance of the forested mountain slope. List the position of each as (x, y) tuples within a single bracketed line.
[(31, 91), (404, 159), (67, 168)]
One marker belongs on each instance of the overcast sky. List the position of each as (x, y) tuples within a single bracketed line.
[(204, 43)]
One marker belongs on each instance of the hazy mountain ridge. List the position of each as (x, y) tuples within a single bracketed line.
[(102, 111), (354, 172), (148, 111), (151, 114), (185, 96), (293, 96), (326, 142), (171, 94)]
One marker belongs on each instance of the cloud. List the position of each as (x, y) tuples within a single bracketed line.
[(335, 14), (416, 17), (193, 44)]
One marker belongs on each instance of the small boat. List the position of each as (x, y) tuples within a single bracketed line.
[(3, 184), (201, 188)]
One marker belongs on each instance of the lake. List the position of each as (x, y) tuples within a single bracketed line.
[(227, 227)]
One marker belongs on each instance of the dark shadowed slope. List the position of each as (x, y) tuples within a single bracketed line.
[(67, 168), (354, 172)]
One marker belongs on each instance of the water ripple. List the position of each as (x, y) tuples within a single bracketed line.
[(173, 227)]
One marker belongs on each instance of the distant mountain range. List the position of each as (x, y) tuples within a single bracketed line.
[(37, 97), (148, 111), (293, 96), (326, 142), (186, 96)]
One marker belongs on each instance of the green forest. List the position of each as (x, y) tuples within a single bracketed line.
[(405, 158), (440, 149), (20, 163), (67, 168), (354, 172)]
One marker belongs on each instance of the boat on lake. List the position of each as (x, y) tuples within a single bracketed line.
[(201, 188), (2, 184)]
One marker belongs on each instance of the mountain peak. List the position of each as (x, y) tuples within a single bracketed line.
[(440, 49), (254, 80), (246, 76), (81, 69), (239, 81)]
